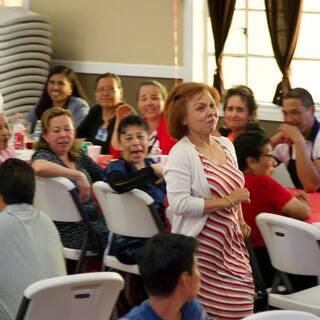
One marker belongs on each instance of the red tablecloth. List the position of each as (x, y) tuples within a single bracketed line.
[(314, 198)]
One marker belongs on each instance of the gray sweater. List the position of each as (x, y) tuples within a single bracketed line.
[(30, 250)]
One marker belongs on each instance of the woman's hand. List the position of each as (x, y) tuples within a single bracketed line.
[(158, 171), (123, 111), (84, 186), (245, 229), (239, 195), (303, 197)]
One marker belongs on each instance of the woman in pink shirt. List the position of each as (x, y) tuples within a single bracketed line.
[(5, 150)]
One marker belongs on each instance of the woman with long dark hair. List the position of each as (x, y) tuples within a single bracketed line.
[(62, 89)]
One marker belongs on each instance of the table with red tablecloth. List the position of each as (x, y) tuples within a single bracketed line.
[(314, 198)]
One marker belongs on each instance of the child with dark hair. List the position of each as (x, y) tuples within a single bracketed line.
[(170, 273), (134, 170)]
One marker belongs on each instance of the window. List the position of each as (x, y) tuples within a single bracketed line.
[(248, 55), (11, 3)]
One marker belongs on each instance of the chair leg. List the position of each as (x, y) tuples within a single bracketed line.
[(281, 278), (83, 254)]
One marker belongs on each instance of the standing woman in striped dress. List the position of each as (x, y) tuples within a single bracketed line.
[(205, 192)]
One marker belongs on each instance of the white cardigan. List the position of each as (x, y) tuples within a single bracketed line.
[(187, 186)]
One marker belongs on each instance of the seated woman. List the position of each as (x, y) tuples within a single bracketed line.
[(240, 112), (100, 123), (6, 151), (57, 155), (151, 98), (254, 153), (62, 89), (134, 170)]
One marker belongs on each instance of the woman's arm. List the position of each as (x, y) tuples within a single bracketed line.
[(45, 168), (235, 198), (296, 209), (122, 111)]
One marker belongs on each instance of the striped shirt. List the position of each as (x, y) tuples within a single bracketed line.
[(227, 289)]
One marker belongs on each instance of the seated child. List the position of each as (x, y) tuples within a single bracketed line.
[(134, 170)]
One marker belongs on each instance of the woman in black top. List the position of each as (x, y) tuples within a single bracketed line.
[(99, 124)]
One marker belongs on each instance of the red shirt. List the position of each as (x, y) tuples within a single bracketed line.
[(266, 195), (165, 141)]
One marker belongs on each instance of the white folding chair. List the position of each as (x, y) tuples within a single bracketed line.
[(293, 247), (58, 198), (282, 315), (129, 214), (81, 296)]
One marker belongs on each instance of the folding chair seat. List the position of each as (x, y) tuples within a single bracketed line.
[(293, 247)]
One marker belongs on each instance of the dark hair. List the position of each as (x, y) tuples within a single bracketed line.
[(45, 119), (176, 105), (132, 120), (160, 86), (45, 101), (246, 94), (17, 182), (109, 75), (249, 144), (302, 94), (163, 259)]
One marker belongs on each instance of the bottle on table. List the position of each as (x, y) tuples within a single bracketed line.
[(18, 135), (37, 131)]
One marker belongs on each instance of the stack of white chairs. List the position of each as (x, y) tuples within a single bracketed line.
[(25, 54)]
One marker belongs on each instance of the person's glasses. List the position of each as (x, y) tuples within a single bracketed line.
[(106, 90), (270, 156)]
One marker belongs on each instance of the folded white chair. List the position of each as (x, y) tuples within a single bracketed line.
[(130, 214), (81, 296), (293, 247)]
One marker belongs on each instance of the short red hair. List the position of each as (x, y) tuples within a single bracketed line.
[(176, 105)]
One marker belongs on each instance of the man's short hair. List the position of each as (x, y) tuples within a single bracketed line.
[(302, 94), (17, 182), (163, 259)]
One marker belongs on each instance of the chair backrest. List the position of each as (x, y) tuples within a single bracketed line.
[(293, 245), (282, 176), (56, 196), (282, 315), (126, 214), (82, 296)]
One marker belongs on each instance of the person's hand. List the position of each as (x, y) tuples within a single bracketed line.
[(239, 195), (123, 111), (84, 187), (245, 229), (291, 133), (302, 196), (278, 137), (158, 171)]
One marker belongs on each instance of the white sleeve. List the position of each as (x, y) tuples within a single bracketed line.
[(178, 176)]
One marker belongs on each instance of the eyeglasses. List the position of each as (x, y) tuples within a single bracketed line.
[(270, 156), (106, 90)]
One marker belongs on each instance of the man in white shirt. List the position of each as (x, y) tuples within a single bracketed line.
[(297, 141)]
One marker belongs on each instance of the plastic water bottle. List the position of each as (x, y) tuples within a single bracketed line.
[(37, 131), (18, 135)]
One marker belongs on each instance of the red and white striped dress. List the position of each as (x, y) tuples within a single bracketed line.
[(227, 289)]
